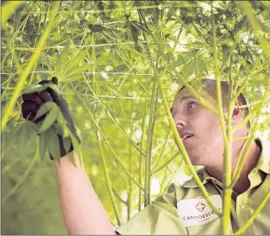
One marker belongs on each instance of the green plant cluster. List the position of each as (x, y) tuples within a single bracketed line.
[(107, 56)]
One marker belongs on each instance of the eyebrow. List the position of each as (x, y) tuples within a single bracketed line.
[(187, 97)]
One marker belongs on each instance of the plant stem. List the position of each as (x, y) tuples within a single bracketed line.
[(106, 140), (165, 164), (8, 9), (108, 181), (245, 150), (148, 158), (32, 61), (178, 140), (227, 137)]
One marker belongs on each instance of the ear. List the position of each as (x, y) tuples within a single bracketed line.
[(237, 114)]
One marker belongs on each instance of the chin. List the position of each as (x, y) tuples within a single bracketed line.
[(195, 158)]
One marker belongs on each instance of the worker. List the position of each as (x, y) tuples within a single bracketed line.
[(183, 209)]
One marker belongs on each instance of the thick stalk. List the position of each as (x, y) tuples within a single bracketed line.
[(178, 140), (180, 144), (257, 29), (140, 159), (32, 61), (182, 149), (227, 137), (148, 158), (130, 199), (244, 153), (8, 9)]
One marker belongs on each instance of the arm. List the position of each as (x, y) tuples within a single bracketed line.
[(82, 210)]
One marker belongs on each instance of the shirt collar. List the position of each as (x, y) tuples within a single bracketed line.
[(187, 181)]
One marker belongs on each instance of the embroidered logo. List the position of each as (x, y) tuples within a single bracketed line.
[(200, 206), (196, 211)]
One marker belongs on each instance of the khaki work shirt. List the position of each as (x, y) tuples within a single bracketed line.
[(183, 210)]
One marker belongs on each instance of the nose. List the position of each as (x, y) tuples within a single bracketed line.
[(179, 121)]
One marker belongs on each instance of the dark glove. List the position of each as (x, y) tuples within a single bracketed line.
[(35, 98)]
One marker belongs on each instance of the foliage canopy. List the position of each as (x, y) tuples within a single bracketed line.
[(107, 56)]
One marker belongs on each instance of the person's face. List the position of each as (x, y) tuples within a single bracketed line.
[(198, 127)]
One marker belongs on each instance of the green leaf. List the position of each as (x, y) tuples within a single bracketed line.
[(49, 119), (46, 107), (73, 63), (75, 72), (61, 62), (42, 145), (39, 88), (33, 89), (63, 129), (53, 143)]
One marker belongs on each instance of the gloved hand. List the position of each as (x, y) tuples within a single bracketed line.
[(35, 109)]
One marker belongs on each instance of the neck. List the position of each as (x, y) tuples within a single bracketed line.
[(242, 183)]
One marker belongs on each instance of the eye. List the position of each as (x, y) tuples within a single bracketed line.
[(191, 105)]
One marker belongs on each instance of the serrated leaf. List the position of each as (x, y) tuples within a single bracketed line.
[(75, 71), (53, 143), (39, 88), (42, 145), (73, 78), (33, 89), (49, 119), (61, 63), (73, 63), (26, 129)]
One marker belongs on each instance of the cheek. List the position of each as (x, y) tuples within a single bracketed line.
[(216, 133)]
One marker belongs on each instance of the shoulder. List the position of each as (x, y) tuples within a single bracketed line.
[(160, 217)]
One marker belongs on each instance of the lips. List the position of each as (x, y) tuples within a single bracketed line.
[(185, 136)]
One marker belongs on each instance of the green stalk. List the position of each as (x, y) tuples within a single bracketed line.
[(183, 151), (249, 142), (114, 119), (140, 159), (148, 158), (8, 9), (162, 151), (253, 216), (226, 220), (246, 6), (32, 61), (193, 91), (108, 181), (106, 140), (12, 50), (178, 140), (129, 206), (165, 164)]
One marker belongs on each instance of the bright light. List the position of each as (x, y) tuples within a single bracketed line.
[(155, 186)]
